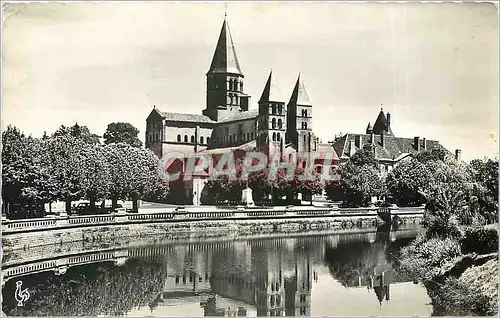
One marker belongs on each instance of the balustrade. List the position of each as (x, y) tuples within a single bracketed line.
[(13, 226)]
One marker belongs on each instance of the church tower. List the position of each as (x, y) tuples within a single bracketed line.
[(225, 79), (271, 122), (299, 115)]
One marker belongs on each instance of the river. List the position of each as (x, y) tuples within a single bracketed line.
[(310, 275)]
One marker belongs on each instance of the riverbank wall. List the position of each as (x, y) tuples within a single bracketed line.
[(108, 229)]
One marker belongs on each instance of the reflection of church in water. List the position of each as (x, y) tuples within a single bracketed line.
[(256, 278), (263, 277)]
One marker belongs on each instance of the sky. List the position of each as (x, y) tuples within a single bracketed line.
[(434, 67)]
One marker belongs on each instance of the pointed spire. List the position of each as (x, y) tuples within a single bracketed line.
[(271, 92), (225, 59), (380, 126), (299, 94)]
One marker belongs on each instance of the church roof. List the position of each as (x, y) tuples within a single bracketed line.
[(299, 94), (249, 146), (225, 59), (393, 149), (243, 115), (271, 92), (380, 125), (193, 118)]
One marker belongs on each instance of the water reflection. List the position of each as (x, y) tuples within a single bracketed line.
[(260, 277)]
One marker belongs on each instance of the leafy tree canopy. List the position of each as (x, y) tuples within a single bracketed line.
[(80, 132), (122, 133)]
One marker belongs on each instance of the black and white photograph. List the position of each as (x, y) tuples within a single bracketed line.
[(253, 159)]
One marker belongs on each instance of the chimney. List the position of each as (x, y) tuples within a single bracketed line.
[(388, 121), (359, 140), (458, 155), (372, 138), (416, 141), (351, 148), (424, 141), (382, 140)]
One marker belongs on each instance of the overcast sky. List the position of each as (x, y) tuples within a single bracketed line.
[(433, 66)]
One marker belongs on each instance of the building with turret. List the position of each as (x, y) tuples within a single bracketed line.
[(387, 148)]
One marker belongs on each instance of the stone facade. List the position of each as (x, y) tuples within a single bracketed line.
[(228, 119), (281, 123)]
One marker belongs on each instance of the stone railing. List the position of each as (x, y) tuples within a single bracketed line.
[(60, 265), (28, 225)]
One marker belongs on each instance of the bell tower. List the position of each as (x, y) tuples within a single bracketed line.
[(299, 117), (225, 79), (271, 121)]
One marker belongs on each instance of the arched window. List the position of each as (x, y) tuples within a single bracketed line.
[(280, 109), (192, 138), (305, 140), (280, 123), (274, 136), (235, 85), (208, 140), (185, 138), (252, 135), (278, 137), (273, 123), (241, 87), (229, 99), (202, 140), (305, 125), (230, 84), (273, 109), (179, 138), (305, 112), (236, 100)]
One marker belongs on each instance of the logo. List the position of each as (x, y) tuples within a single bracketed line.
[(21, 295)]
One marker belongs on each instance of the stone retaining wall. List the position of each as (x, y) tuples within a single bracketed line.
[(126, 233)]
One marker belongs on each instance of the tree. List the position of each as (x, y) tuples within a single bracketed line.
[(134, 173), (310, 186), (360, 184), (359, 180), (122, 133), (65, 157), (431, 155), (447, 198), (484, 174), (79, 132), (94, 174), (26, 182), (364, 157), (407, 181)]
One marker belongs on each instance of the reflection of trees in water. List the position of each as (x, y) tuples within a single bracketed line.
[(88, 290), (353, 259)]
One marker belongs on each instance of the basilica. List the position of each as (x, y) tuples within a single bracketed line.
[(228, 122)]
